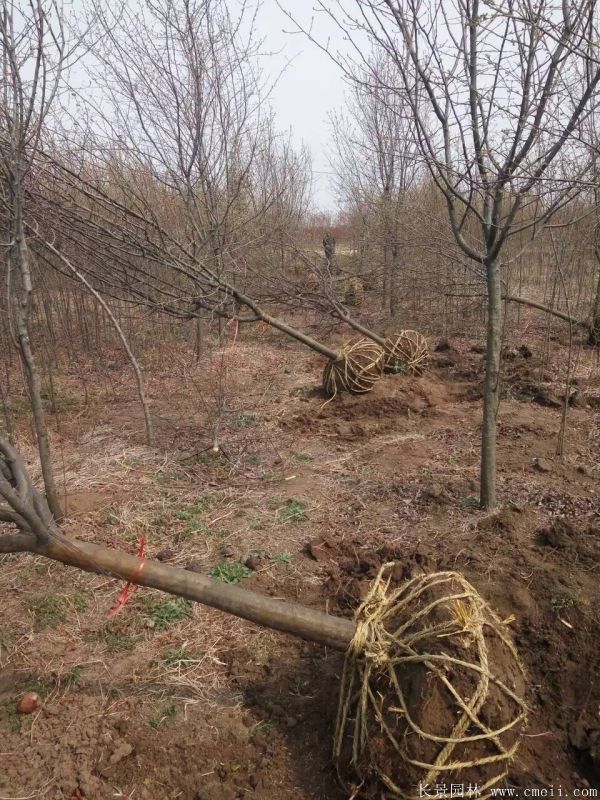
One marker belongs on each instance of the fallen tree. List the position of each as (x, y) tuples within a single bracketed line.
[(592, 327), (423, 623)]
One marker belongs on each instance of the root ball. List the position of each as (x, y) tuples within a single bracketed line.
[(408, 352), (431, 693), (357, 368)]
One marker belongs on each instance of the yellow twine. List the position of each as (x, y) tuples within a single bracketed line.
[(357, 368), (406, 352), (384, 640)]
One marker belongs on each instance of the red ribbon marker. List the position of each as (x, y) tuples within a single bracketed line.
[(130, 586)]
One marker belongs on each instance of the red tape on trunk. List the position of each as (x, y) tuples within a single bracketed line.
[(130, 586)]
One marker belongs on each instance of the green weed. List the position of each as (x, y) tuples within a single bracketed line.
[(72, 675), (162, 716), (256, 520), (304, 458), (80, 601), (41, 687), (48, 610), (292, 511), (165, 613), (230, 572), (179, 656), (470, 503), (283, 558), (115, 640)]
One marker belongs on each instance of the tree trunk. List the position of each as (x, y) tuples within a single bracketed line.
[(37, 409), (23, 307), (394, 280), (594, 332), (307, 623), (554, 312), (139, 377), (491, 393), (357, 326)]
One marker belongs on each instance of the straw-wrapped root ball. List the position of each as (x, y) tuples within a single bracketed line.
[(408, 352), (431, 694), (357, 368)]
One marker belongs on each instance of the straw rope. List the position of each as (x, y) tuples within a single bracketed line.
[(407, 352), (357, 368), (403, 626)]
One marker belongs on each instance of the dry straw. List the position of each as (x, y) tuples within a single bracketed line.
[(357, 368), (406, 352), (431, 692)]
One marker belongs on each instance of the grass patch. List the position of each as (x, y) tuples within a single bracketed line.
[(201, 506), (292, 511), (256, 520), (162, 716), (246, 420), (15, 407), (274, 477), (12, 716), (564, 603), (165, 477), (80, 601), (191, 514), (179, 656), (57, 401), (230, 572), (48, 610), (72, 675), (211, 457), (111, 516), (304, 458), (283, 558), (7, 640), (41, 687), (165, 613), (115, 639), (469, 503)]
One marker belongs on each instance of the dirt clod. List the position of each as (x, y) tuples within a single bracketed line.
[(28, 703), (123, 750)]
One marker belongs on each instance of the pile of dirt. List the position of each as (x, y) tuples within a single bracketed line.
[(351, 417)]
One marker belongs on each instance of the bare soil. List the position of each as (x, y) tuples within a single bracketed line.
[(166, 700)]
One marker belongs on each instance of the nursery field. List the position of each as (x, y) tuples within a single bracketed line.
[(304, 501)]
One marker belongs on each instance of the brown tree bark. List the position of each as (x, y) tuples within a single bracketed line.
[(23, 339), (491, 393)]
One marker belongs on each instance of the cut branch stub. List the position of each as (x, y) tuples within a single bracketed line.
[(407, 352), (358, 366)]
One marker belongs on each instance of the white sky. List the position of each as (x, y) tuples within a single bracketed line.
[(310, 87)]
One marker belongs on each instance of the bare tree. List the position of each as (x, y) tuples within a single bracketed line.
[(497, 96), (162, 198), (35, 53), (376, 160)]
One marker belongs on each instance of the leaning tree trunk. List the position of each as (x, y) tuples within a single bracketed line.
[(314, 626), (491, 392), (355, 368), (23, 306), (553, 312), (139, 377)]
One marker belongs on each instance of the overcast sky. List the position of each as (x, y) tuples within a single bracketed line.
[(310, 87)]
